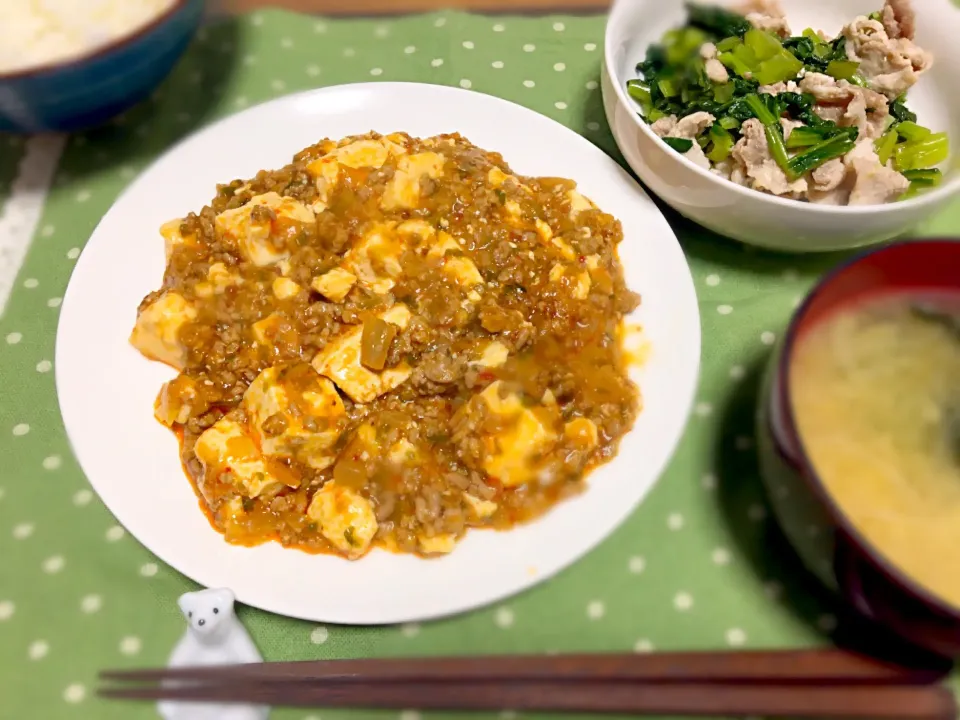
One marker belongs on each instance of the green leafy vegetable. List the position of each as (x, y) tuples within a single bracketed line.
[(763, 44), (886, 144), (759, 56), (717, 21), (899, 111), (842, 69), (804, 137), (779, 68), (924, 178), (728, 44), (668, 87), (721, 143), (772, 130), (816, 54), (639, 92), (811, 159), (922, 154), (734, 63), (912, 132), (723, 93), (681, 145), (673, 82)]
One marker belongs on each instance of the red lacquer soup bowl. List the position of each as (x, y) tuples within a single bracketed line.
[(817, 527)]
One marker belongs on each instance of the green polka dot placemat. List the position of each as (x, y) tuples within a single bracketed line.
[(699, 565)]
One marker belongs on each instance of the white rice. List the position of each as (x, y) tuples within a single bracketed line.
[(38, 32)]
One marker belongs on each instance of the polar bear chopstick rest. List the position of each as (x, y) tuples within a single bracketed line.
[(214, 636)]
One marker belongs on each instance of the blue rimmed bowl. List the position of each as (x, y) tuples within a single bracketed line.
[(88, 90)]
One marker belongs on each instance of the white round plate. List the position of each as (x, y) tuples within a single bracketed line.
[(106, 388)]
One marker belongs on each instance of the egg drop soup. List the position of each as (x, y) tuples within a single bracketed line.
[(876, 395)]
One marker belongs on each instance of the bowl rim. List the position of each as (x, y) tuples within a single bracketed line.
[(810, 477), (950, 187), (98, 51)]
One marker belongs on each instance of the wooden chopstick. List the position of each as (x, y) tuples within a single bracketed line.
[(877, 702), (820, 666)]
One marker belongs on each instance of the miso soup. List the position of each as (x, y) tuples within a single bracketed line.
[(876, 396)]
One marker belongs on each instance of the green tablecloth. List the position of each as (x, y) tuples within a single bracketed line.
[(700, 564)]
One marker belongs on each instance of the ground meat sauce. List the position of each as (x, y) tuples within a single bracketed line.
[(388, 341)]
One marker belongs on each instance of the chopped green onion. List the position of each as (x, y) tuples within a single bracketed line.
[(912, 132), (816, 156), (723, 143), (811, 34), (922, 154), (804, 137), (924, 178), (681, 145), (858, 80), (780, 68), (653, 115), (885, 145), (842, 69)]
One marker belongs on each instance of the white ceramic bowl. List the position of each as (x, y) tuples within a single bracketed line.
[(758, 218)]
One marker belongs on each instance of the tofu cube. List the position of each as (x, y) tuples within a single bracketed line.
[(481, 508), (275, 331), (230, 456), (438, 544), (547, 236), (157, 331), (262, 240), (493, 354), (295, 413), (419, 231), (403, 190), (356, 155), (340, 361), (176, 401), (460, 268), (578, 203), (284, 288), (514, 437), (219, 278), (334, 284), (173, 238), (345, 518), (578, 282), (582, 432), (375, 259), (326, 173), (403, 452)]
